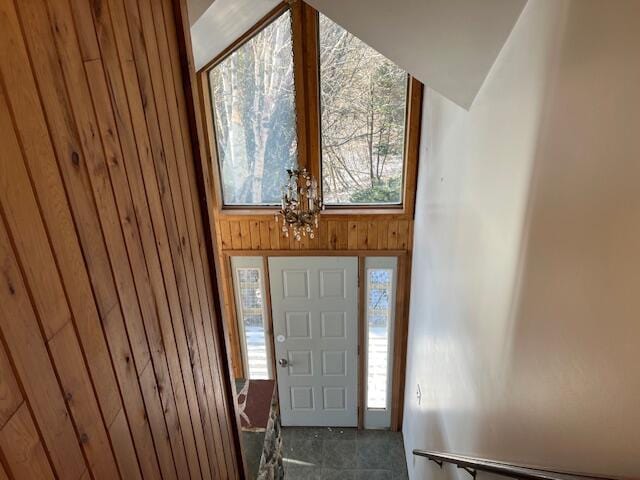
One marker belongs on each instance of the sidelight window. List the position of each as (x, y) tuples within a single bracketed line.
[(250, 306), (379, 315)]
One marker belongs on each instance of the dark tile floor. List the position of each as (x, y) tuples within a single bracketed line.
[(312, 453)]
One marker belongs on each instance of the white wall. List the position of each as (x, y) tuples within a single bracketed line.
[(525, 310), (196, 8), (447, 44)]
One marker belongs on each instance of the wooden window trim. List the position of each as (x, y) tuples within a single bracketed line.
[(306, 61)]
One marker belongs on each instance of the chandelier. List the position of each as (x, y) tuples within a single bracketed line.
[(301, 205)]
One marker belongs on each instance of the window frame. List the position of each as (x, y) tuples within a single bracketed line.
[(263, 23), (375, 417), (252, 263), (355, 207), (306, 71)]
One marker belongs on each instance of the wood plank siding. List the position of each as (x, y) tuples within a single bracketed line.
[(112, 356)]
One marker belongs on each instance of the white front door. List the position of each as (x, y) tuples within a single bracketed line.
[(315, 326)]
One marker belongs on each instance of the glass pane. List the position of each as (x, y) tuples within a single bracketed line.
[(363, 99), (253, 108), (252, 314), (379, 308)]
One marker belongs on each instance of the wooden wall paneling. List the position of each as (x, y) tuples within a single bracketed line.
[(79, 395), (225, 234), (136, 410), (137, 417), (21, 212), (228, 353), (285, 241), (274, 234), (156, 276), (332, 234), (184, 75), (197, 236), (343, 235), (292, 244), (22, 448), (218, 365), (147, 277), (108, 232), (236, 237), (372, 235), (164, 386), (66, 145), (25, 344), (137, 152), (392, 239), (10, 392), (89, 156), (403, 235), (31, 241), (363, 231), (152, 87), (180, 187), (315, 241), (47, 183), (118, 218), (323, 236), (245, 234), (303, 244), (265, 239), (383, 235), (152, 292), (352, 239), (123, 447), (62, 125), (254, 228)]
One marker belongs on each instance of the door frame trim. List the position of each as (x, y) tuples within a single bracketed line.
[(401, 316)]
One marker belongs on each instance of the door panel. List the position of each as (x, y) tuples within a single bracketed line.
[(315, 321)]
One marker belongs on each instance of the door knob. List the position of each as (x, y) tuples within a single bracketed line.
[(283, 362)]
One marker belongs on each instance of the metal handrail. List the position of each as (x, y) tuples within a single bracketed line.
[(473, 465)]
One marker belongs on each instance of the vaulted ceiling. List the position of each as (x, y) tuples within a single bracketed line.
[(221, 22), (449, 45)]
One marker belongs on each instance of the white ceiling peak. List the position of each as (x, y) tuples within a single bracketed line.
[(449, 45), (221, 23)]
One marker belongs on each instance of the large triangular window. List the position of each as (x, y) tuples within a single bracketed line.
[(300, 90)]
